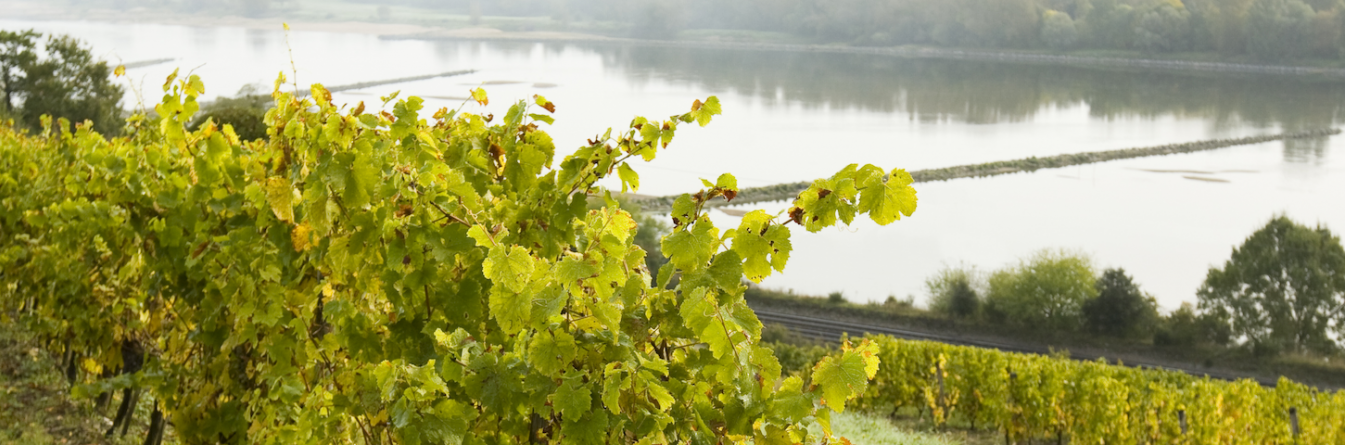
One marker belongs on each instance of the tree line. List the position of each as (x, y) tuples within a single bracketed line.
[(1264, 29), (1282, 290), (1268, 30)]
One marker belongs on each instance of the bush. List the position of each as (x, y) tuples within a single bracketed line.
[(893, 303), (836, 297), (1046, 291), (1184, 327), (1120, 309), (952, 292), (246, 113)]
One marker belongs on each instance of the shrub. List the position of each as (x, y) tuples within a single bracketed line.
[(893, 303), (1120, 309), (1184, 327), (1046, 291), (952, 291), (246, 113)]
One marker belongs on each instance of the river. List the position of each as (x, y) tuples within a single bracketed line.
[(798, 116)]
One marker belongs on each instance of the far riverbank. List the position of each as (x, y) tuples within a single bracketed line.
[(434, 25)]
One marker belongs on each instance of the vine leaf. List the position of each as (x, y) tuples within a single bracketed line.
[(701, 112), (886, 202), (629, 179), (763, 246), (280, 196), (549, 352), (572, 399), (845, 376), (510, 267), (690, 249)]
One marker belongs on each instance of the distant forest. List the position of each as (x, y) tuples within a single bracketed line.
[(1263, 29)]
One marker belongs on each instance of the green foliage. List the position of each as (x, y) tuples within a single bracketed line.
[(836, 297), (18, 52), (1058, 31), (903, 304), (1185, 328), (1046, 291), (1234, 27), (1120, 308), (952, 291), (1279, 29), (356, 277), (1163, 27), (1283, 288), (60, 78)]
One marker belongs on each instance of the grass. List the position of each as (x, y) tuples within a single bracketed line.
[(869, 429), (35, 407)]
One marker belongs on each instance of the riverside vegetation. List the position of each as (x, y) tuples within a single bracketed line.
[(1256, 30), (1057, 297)]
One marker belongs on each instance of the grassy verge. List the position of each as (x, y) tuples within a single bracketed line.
[(35, 407), (872, 429)]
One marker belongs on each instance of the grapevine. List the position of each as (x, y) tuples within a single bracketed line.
[(1029, 397), (371, 276)]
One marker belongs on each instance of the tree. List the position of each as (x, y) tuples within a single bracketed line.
[(952, 292), (1163, 27), (1057, 30), (255, 8), (1120, 309), (1186, 327), (63, 80), (657, 20), (1279, 29), (1110, 24), (1046, 291), (17, 54), (1284, 288)]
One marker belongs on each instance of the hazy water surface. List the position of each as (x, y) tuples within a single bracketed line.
[(798, 116)]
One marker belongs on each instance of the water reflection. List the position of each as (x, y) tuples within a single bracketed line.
[(987, 92), (258, 39), (1305, 150)]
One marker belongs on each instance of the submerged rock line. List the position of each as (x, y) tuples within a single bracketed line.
[(362, 85), (791, 190)]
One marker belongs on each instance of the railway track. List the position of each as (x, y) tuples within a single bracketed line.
[(831, 331)]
